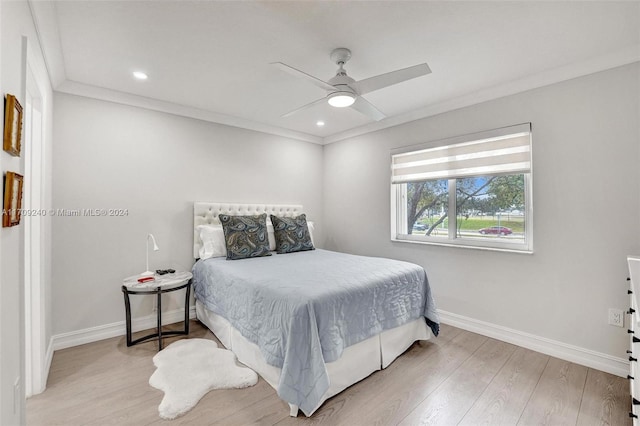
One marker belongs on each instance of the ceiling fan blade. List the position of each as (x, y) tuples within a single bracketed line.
[(311, 79), (365, 107), (309, 105), (394, 77)]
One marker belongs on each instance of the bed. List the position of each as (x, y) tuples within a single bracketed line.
[(310, 323)]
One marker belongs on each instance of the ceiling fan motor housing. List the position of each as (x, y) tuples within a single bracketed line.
[(341, 82), (340, 55)]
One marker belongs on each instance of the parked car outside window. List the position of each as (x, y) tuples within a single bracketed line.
[(495, 230)]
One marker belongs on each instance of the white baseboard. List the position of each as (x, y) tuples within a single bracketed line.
[(93, 334), (576, 354), (39, 386), (48, 358)]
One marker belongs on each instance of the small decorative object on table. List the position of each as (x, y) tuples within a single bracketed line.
[(157, 285)]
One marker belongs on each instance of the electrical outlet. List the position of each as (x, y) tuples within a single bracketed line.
[(616, 317)]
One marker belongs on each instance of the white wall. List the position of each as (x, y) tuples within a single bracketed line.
[(155, 165), (17, 29), (586, 153)]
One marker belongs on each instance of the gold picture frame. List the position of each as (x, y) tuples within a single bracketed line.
[(12, 199), (12, 126)]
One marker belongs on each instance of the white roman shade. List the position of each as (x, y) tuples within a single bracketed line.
[(501, 151)]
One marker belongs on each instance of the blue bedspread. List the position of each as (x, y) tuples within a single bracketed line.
[(302, 309)]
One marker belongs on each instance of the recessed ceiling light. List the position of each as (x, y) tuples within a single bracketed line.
[(320, 123), (140, 75)]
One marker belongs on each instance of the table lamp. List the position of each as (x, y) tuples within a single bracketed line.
[(149, 273)]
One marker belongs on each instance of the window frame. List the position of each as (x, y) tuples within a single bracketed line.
[(399, 232)]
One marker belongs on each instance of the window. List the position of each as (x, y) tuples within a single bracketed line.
[(472, 191)]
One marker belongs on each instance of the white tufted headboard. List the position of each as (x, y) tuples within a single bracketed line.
[(207, 214)]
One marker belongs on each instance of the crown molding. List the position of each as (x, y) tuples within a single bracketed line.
[(622, 57), (46, 24), (94, 92), (602, 63)]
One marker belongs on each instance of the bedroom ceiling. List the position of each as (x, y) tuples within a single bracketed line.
[(211, 59)]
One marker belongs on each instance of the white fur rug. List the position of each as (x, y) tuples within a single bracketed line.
[(187, 369)]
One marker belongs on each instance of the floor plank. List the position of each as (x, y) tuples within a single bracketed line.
[(605, 400), (451, 400), (505, 398), (271, 410), (556, 399), (390, 403)]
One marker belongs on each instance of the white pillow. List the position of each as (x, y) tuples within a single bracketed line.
[(272, 236), (214, 244), (310, 226)]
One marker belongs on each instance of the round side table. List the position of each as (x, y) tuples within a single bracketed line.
[(162, 284)]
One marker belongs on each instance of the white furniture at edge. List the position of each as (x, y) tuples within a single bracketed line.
[(357, 361), (634, 336)]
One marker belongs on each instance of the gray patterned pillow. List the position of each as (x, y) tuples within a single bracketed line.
[(245, 236), (292, 234)]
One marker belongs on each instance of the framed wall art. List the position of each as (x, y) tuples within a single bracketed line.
[(12, 199), (12, 125)]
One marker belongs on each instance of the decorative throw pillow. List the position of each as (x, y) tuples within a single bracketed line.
[(245, 236), (292, 234)]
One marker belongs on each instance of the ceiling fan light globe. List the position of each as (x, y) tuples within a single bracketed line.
[(341, 99)]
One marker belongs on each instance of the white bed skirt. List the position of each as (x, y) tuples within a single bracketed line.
[(356, 363)]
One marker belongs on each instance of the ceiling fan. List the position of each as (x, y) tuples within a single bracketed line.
[(344, 91)]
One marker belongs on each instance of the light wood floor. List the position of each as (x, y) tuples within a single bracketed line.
[(458, 378)]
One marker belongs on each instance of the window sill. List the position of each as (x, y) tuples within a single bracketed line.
[(462, 245)]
